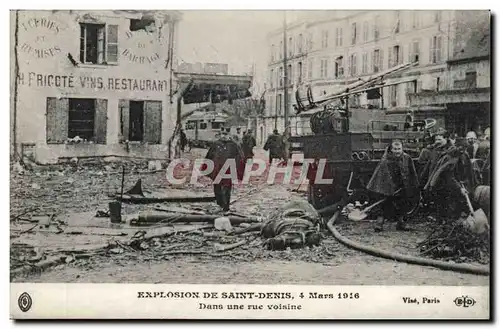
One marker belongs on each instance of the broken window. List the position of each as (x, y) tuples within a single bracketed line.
[(71, 117), (145, 24), (141, 121), (98, 43)]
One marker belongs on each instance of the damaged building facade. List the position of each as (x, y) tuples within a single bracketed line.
[(93, 83)]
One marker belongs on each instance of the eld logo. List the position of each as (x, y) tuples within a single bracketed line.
[(464, 301)]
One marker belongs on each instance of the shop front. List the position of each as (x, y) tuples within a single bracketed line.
[(88, 86)]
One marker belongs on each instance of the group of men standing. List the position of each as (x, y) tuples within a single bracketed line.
[(447, 171)]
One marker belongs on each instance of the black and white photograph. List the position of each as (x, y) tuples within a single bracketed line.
[(250, 164)]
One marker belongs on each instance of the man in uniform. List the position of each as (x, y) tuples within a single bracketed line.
[(222, 150), (236, 137), (452, 176), (248, 143), (396, 180), (430, 155), (274, 145)]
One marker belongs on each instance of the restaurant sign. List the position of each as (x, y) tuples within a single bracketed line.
[(43, 80)]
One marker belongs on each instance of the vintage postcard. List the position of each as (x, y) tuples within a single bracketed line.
[(190, 164)]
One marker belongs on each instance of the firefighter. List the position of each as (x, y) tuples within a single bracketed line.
[(396, 180), (431, 154), (222, 150), (452, 176)]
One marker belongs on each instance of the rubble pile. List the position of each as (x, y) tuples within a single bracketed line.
[(454, 241)]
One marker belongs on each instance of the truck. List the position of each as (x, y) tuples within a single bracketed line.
[(350, 156)]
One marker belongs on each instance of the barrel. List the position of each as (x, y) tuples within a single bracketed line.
[(482, 197), (115, 212)]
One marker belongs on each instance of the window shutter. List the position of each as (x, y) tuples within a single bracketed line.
[(439, 47), (152, 122), (373, 61), (124, 107), (83, 35), (100, 45), (101, 120), (349, 64), (389, 57), (430, 51), (381, 60), (57, 120), (112, 44)]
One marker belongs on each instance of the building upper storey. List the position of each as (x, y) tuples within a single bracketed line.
[(342, 44), (62, 41)]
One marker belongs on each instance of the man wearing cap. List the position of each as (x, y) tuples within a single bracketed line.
[(222, 150), (248, 143), (274, 145), (431, 154), (236, 137)]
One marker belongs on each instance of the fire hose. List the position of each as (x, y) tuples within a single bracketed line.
[(464, 268)]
